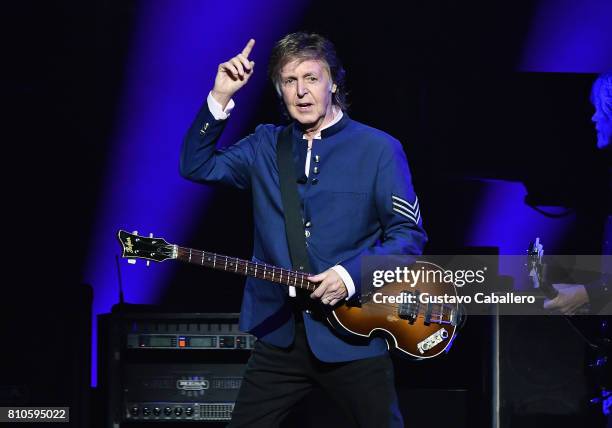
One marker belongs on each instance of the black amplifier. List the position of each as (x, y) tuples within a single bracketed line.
[(181, 392), (206, 333), (161, 366)]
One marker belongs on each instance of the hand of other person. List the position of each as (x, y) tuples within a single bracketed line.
[(331, 289), (233, 75), (570, 298)]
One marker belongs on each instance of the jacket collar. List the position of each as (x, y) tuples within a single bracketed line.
[(327, 132)]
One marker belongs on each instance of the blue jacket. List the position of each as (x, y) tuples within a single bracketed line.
[(360, 201)]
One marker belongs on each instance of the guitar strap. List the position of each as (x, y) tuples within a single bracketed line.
[(294, 225)]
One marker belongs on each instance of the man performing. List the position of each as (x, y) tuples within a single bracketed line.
[(598, 294), (571, 297), (355, 199)]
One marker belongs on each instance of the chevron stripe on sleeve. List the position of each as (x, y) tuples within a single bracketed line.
[(406, 209)]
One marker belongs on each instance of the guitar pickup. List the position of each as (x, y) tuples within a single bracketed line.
[(428, 312), (406, 309)]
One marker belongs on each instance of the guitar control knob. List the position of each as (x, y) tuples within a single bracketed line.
[(156, 411), (178, 411), (134, 411), (188, 411), (167, 411), (146, 411)]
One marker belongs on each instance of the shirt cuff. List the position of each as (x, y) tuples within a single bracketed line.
[(348, 281), (217, 110)]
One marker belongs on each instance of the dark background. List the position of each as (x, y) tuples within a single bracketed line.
[(440, 76)]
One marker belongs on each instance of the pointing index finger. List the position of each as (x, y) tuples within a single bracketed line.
[(248, 48)]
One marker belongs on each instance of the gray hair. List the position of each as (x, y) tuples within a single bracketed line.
[(601, 93), (305, 46)]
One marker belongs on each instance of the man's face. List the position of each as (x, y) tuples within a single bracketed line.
[(306, 88), (603, 122)]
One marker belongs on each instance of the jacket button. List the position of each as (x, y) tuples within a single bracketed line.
[(307, 234), (204, 128), (315, 170), (317, 158), (315, 180), (308, 224)]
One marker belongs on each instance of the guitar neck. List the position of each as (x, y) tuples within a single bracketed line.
[(246, 268)]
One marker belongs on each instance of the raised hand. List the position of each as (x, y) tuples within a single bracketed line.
[(233, 75)]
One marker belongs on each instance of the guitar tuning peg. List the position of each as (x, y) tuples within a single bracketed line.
[(135, 232), (132, 261), (150, 235), (148, 263)]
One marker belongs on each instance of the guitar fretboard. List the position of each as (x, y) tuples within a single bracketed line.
[(246, 268)]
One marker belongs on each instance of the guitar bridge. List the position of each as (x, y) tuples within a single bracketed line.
[(432, 340)]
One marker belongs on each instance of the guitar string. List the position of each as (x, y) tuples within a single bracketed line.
[(240, 263), (291, 275), (285, 276), (435, 315)]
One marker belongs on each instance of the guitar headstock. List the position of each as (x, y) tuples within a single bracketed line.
[(535, 251), (535, 255), (147, 248)]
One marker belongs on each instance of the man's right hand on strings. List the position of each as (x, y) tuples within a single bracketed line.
[(233, 75)]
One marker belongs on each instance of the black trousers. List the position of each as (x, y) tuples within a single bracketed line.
[(276, 379)]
